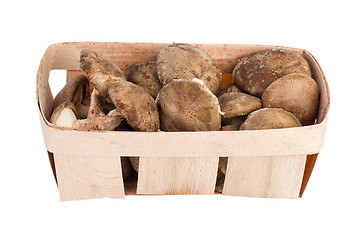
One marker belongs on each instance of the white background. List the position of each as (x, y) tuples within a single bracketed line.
[(29, 204)]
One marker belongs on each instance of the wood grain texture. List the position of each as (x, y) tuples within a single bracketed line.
[(266, 177), (291, 141), (175, 175), (86, 177)]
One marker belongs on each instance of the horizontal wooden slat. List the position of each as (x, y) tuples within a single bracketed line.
[(292, 141)]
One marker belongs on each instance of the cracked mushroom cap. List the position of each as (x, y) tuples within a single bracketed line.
[(234, 104), (255, 72), (296, 93), (100, 71), (184, 61), (136, 105), (270, 118), (75, 90), (188, 105)]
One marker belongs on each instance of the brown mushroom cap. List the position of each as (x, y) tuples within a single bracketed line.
[(184, 61), (101, 72), (223, 164), (270, 118), (64, 115), (235, 104), (144, 74), (188, 106), (136, 105), (229, 88), (75, 90), (296, 93), (230, 128), (135, 163), (237, 121), (255, 72)]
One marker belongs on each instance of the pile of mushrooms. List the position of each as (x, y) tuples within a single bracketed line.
[(181, 90)]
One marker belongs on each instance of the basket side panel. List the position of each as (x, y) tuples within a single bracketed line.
[(264, 176), (176, 175), (87, 177)]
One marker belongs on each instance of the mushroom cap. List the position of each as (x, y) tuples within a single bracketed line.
[(135, 163), (144, 74), (229, 88), (296, 93), (230, 128), (237, 121), (136, 105), (101, 72), (64, 115), (184, 61), (223, 164), (270, 118), (75, 90), (235, 104), (188, 105), (256, 71)]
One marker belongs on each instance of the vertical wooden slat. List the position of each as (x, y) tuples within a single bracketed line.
[(264, 176), (177, 175), (86, 177)]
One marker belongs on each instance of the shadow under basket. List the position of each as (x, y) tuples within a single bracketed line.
[(261, 163)]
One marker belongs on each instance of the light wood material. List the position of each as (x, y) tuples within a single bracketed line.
[(85, 177), (175, 175), (301, 140), (269, 176)]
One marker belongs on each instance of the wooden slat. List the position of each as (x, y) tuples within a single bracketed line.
[(175, 175), (86, 177), (291, 141), (266, 177)]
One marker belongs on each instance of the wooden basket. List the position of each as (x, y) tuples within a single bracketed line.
[(261, 163)]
